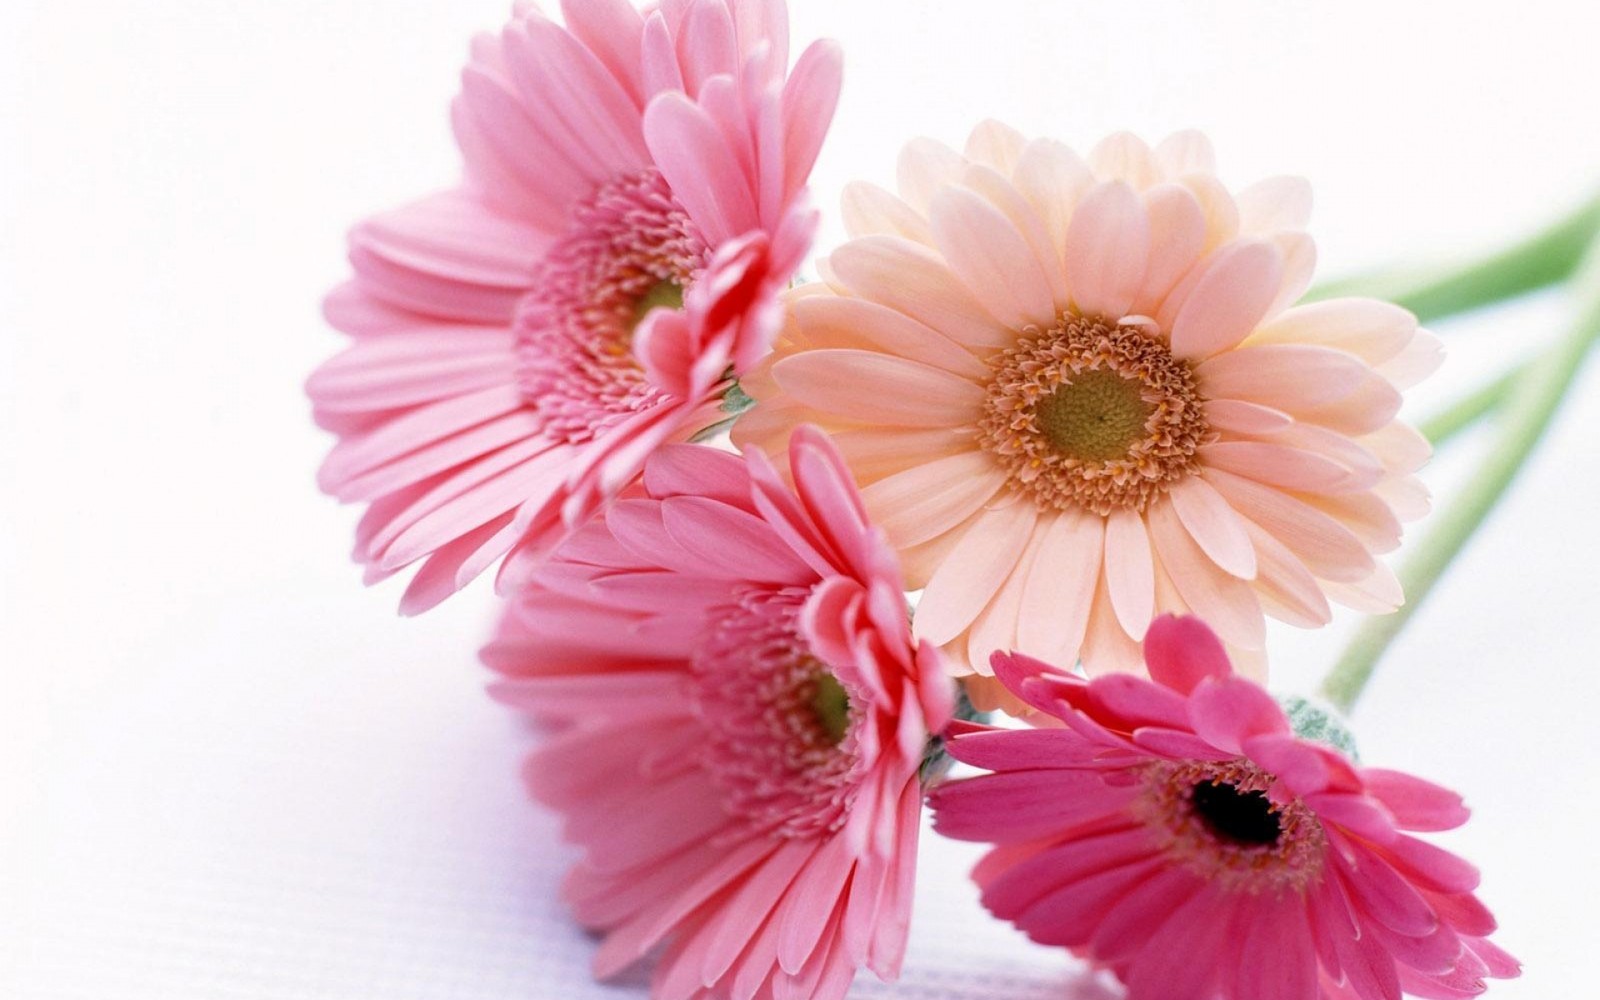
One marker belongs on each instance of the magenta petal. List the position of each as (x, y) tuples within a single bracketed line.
[(1415, 803), (1230, 710)]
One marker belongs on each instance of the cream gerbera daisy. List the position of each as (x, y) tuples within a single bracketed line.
[(1077, 394)]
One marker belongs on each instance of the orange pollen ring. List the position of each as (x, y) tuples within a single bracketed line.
[(1091, 415)]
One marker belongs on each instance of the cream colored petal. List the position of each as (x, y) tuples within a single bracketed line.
[(839, 321), (1406, 496), (1286, 589), (1400, 447), (1222, 213), (1108, 250), (1275, 204), (1235, 416), (1378, 594), (1053, 179), (996, 144), (869, 210), (1003, 195), (1364, 514), (1130, 578), (1299, 253), (1373, 331), (973, 572), (1369, 408), (1214, 525), (1107, 648), (1123, 156), (992, 259), (1421, 358), (1177, 235), (920, 562), (995, 629), (913, 279), (1290, 377), (879, 388), (1054, 613), (873, 453), (1276, 465), (925, 167), (932, 497), (1327, 547), (1186, 152), (1227, 604), (1238, 287)]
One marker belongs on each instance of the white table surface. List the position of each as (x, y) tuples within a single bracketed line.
[(227, 771)]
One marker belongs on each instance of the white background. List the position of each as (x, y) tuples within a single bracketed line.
[(227, 771)]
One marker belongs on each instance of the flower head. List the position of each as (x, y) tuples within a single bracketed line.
[(1177, 831), (633, 205), (739, 716), (1077, 395)]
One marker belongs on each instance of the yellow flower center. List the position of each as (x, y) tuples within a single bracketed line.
[(1092, 415), (1096, 417)]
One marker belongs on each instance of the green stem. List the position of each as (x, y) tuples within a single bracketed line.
[(1532, 399), (1469, 409), (1545, 258)]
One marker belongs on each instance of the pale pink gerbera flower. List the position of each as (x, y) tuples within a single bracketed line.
[(740, 714), (1178, 832), (1076, 396), (518, 347)]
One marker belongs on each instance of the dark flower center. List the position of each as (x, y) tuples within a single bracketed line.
[(1244, 817)]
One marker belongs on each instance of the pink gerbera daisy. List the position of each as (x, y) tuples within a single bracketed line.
[(1077, 394), (1178, 832), (633, 205), (740, 715)]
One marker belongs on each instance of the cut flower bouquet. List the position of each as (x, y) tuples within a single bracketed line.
[(982, 520)]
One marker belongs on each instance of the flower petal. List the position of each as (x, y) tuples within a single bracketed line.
[(1107, 250)]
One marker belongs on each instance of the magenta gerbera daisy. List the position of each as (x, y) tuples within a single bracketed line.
[(633, 205), (739, 714), (1177, 831)]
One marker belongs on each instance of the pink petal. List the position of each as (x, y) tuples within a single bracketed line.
[(614, 31), (1182, 651), (704, 173), (1021, 805), (703, 526), (809, 100)]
